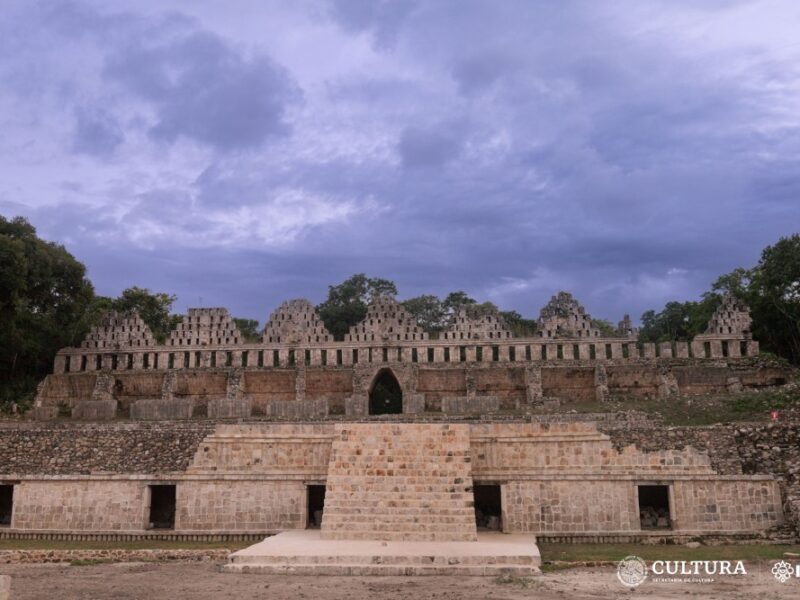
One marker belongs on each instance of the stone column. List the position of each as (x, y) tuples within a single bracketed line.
[(470, 352), (283, 357), (521, 354), (60, 364), (752, 348), (347, 356), (616, 350), (138, 361), (681, 349), (734, 349), (316, 357), (665, 349), (716, 348), (698, 349), (600, 383), (533, 384), (438, 354), (649, 350), (405, 354), (583, 351), (300, 384), (503, 353)]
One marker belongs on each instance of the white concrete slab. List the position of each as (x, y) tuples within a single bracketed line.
[(304, 552)]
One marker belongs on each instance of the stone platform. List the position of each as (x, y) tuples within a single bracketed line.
[(400, 482), (304, 552)]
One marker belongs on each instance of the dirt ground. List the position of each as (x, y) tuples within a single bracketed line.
[(204, 581)]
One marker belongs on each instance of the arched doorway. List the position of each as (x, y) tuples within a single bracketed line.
[(386, 396)]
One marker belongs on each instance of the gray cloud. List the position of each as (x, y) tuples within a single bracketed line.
[(431, 147), (96, 133), (204, 90), (509, 149)]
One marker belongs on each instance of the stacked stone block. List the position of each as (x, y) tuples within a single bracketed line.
[(731, 319), (386, 321), (565, 317), (477, 322), (400, 482), (206, 327), (119, 330), (295, 322)]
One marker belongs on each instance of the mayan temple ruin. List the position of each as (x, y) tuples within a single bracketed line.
[(389, 436)]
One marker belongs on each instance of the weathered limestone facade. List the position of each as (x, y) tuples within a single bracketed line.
[(206, 327), (298, 371), (228, 437), (119, 330), (476, 322), (564, 317), (295, 322), (403, 480), (386, 321)]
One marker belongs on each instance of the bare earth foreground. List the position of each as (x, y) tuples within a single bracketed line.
[(204, 581)]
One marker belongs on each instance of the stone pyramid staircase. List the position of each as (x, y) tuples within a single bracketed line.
[(402, 481)]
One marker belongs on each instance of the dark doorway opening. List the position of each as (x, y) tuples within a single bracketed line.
[(162, 507), (386, 397), (654, 507), (316, 504), (6, 504), (488, 507)]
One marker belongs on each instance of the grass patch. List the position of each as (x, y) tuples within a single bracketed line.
[(88, 562), (615, 552), (520, 582), (698, 410), (111, 545)]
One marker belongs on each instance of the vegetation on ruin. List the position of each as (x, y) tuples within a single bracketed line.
[(346, 304), (47, 303), (750, 405), (771, 289)]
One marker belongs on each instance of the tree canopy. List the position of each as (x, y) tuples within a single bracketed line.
[(46, 303), (347, 302)]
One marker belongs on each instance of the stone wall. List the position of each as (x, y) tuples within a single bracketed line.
[(560, 474), (515, 383), (80, 505), (233, 506), (73, 448)]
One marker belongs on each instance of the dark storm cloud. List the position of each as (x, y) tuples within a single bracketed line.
[(96, 133), (629, 152), (204, 90), (432, 147)]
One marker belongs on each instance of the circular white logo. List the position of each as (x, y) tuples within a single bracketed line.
[(631, 571), (782, 570)]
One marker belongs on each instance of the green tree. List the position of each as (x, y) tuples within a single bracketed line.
[(347, 302), (454, 300), (772, 289), (46, 303), (605, 326), (428, 311), (519, 325), (154, 308), (249, 329)]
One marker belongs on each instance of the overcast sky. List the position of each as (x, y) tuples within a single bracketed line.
[(240, 153)]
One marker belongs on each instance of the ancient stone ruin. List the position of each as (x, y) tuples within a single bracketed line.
[(389, 435)]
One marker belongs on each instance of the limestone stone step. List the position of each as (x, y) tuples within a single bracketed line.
[(386, 570), (400, 481), (304, 552)]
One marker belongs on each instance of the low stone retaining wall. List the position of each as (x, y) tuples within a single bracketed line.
[(9, 557)]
